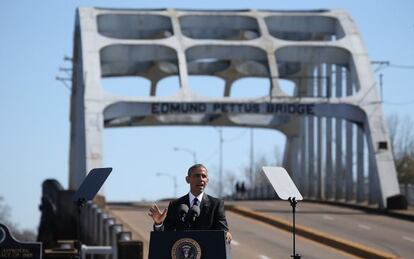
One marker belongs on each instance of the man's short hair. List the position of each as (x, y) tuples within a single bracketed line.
[(196, 166)]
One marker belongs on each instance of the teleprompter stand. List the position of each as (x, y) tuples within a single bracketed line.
[(87, 191), (286, 190)]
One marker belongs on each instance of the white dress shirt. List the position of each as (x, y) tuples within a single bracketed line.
[(192, 197)]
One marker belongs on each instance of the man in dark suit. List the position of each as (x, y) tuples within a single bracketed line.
[(212, 216)]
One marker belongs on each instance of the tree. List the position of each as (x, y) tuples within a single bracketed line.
[(21, 235), (229, 179), (4, 212), (259, 179), (402, 142)]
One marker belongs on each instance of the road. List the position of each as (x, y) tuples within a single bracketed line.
[(251, 239), (388, 234)]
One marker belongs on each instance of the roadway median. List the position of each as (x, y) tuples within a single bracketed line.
[(318, 236)]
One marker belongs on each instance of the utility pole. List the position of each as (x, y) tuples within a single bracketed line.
[(381, 89), (221, 162), (381, 65), (251, 158)]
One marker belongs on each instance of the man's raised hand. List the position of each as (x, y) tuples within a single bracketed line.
[(157, 215)]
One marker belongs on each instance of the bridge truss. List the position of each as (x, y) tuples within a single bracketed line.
[(337, 145)]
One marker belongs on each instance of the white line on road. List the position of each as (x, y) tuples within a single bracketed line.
[(234, 242), (327, 217), (364, 227), (263, 257), (408, 238)]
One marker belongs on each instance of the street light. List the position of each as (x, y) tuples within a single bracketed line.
[(193, 153), (221, 140), (173, 177)]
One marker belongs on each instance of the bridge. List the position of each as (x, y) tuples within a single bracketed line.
[(337, 148)]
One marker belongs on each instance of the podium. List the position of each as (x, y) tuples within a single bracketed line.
[(205, 244)]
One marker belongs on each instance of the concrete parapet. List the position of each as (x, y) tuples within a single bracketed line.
[(318, 236)]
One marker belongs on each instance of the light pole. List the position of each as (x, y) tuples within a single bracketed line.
[(193, 153), (173, 177), (251, 158), (220, 131)]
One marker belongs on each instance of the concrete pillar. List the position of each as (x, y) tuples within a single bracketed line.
[(227, 86), (311, 137), (287, 156), (349, 168), (329, 187), (338, 140), (373, 191), (319, 160), (153, 89), (295, 162), (360, 165), (303, 159), (182, 62)]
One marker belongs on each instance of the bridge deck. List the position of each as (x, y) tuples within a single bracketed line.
[(254, 239), (392, 235)]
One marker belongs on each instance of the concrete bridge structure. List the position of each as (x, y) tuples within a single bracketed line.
[(337, 143)]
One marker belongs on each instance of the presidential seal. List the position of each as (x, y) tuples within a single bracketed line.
[(2, 234), (186, 248)]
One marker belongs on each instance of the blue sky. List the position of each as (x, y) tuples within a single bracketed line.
[(34, 107)]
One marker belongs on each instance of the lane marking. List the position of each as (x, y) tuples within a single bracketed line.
[(327, 217), (234, 242), (263, 257), (408, 238), (364, 227)]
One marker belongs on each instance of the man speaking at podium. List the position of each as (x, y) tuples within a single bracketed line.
[(193, 211)]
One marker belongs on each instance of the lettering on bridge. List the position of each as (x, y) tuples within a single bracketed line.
[(249, 108)]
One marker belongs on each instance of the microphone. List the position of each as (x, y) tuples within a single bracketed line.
[(182, 212), (194, 213)]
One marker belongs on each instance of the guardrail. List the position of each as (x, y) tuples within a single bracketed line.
[(266, 192), (100, 234)]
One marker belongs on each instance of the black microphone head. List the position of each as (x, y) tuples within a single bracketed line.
[(182, 211), (195, 211)]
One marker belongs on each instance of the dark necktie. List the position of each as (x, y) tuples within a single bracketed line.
[(195, 202)]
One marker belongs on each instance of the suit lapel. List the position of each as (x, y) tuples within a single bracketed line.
[(205, 205), (184, 200)]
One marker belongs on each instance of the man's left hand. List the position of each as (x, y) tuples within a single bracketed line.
[(228, 237)]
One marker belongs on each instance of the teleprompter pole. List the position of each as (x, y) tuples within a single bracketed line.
[(293, 203), (80, 203)]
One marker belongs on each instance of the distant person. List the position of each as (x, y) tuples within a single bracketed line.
[(237, 190), (243, 191), (211, 210)]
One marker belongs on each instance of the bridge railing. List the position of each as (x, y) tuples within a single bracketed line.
[(266, 192), (100, 234)]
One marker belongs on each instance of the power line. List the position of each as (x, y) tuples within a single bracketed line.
[(401, 66), (240, 135), (383, 64)]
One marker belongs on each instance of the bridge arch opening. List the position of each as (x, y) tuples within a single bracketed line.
[(223, 27), (204, 85), (318, 71), (140, 26), (250, 87), (138, 153), (126, 85), (305, 28)]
